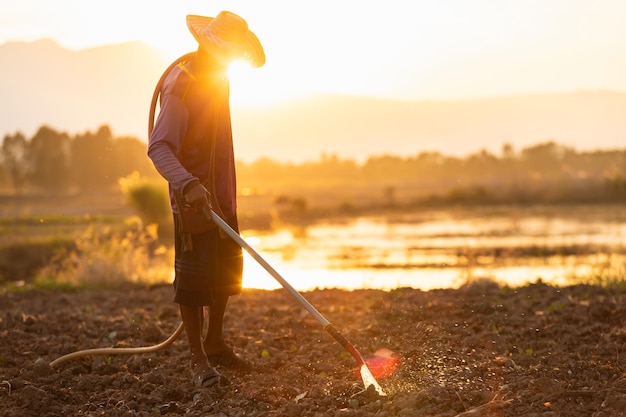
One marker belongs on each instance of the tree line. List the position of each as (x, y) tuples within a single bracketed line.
[(94, 161), (56, 162), (544, 172)]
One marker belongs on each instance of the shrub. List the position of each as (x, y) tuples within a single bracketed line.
[(148, 197), (103, 258), (20, 261)]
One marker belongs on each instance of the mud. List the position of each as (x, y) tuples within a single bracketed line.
[(481, 350)]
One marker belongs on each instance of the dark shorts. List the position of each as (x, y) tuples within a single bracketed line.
[(212, 268)]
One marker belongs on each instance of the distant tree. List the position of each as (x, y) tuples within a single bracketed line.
[(4, 176), (545, 159), (331, 168), (266, 169), (384, 167), (14, 149), (482, 166), (389, 196), (438, 170), (49, 159), (427, 166), (299, 205), (129, 155), (91, 160), (508, 152)]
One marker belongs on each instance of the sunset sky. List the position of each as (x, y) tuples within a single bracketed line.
[(437, 49)]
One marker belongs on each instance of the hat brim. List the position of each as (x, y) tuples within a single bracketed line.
[(253, 50)]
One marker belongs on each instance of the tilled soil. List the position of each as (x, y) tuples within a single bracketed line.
[(481, 350)]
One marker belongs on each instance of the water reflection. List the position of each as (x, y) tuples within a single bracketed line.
[(443, 249)]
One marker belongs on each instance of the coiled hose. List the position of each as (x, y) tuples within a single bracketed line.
[(179, 329)]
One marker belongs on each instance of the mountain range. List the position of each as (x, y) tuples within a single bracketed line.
[(75, 91)]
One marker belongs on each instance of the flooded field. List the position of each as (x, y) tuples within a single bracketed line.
[(445, 248)]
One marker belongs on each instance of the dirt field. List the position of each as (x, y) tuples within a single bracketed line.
[(480, 350)]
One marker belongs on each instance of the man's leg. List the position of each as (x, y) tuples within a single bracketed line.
[(214, 341), (192, 319), (215, 347), (230, 268), (203, 373)]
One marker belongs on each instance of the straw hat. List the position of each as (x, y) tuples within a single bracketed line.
[(227, 31)]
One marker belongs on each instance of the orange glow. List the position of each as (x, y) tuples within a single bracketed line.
[(383, 364), (441, 50), (256, 86)]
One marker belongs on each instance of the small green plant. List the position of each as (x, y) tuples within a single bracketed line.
[(557, 306), (525, 352), (495, 329)]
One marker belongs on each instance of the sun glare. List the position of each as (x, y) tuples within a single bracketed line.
[(256, 86)]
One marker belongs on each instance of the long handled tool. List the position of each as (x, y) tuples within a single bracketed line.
[(366, 374)]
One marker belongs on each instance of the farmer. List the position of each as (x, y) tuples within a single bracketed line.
[(191, 146)]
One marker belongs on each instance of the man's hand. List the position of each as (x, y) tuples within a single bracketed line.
[(199, 196)]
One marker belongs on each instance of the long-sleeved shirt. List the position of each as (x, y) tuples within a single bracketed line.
[(192, 137)]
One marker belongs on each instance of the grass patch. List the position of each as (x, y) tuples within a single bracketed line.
[(54, 285), (21, 260), (608, 273), (106, 258)]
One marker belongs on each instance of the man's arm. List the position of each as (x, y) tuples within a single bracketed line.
[(167, 139)]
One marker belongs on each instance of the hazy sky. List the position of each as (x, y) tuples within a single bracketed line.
[(415, 49)]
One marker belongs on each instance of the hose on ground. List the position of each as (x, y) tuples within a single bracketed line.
[(177, 332), (120, 351)]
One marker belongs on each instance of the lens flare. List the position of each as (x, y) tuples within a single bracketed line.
[(383, 364)]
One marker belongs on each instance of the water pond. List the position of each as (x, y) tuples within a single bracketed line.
[(445, 248)]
